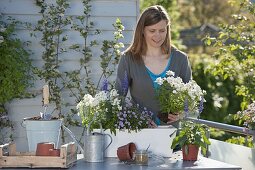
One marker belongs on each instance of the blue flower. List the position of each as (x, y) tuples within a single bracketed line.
[(201, 105), (125, 84), (105, 85)]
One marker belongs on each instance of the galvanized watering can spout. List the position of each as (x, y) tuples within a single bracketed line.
[(73, 137), (94, 143)]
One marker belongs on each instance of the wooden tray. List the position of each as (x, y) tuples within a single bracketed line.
[(28, 159)]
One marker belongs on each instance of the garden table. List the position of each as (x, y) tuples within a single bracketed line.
[(173, 163)]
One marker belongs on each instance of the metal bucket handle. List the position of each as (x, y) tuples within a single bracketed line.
[(23, 123)]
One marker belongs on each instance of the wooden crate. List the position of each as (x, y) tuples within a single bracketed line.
[(28, 159)]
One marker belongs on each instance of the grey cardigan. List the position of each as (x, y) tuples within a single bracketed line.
[(140, 84)]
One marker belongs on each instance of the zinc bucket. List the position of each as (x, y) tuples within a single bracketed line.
[(39, 131)]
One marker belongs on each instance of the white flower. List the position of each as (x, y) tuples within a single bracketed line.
[(170, 73), (88, 100), (80, 107), (173, 98), (113, 93), (2, 29), (116, 102), (159, 81), (1, 39), (121, 45), (217, 100)]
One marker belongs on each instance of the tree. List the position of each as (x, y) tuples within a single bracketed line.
[(198, 12), (236, 51)]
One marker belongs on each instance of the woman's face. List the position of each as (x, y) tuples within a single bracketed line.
[(155, 34)]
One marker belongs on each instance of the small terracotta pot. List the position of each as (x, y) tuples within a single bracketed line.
[(54, 152), (43, 148), (126, 152), (192, 152)]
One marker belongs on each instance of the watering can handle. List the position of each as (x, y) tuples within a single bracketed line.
[(90, 123), (109, 142)]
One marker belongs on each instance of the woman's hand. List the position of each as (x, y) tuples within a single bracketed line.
[(173, 118), (152, 124)]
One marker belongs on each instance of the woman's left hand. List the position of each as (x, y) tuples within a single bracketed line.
[(152, 124)]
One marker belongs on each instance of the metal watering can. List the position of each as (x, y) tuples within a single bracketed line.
[(94, 144)]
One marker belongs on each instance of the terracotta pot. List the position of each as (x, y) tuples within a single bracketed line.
[(54, 152), (192, 153), (126, 152), (43, 148)]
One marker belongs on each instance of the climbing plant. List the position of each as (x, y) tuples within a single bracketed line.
[(79, 80), (15, 69), (51, 26)]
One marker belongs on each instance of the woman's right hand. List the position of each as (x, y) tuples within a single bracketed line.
[(173, 118)]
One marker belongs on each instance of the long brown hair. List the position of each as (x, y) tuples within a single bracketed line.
[(150, 16)]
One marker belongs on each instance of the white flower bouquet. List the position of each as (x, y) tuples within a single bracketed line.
[(177, 97), (113, 112)]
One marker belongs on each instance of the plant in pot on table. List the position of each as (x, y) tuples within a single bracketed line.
[(192, 136), (112, 111), (175, 96)]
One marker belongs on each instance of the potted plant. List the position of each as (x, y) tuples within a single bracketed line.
[(192, 136), (175, 96)]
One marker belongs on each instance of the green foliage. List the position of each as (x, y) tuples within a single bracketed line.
[(192, 133), (109, 57), (220, 93), (239, 140), (236, 51), (247, 117), (52, 27), (199, 12), (15, 67)]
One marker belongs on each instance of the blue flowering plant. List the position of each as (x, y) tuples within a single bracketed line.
[(113, 111), (177, 97)]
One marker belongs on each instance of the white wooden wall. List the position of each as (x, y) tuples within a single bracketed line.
[(103, 14)]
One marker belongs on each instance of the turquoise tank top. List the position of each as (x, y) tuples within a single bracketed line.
[(156, 85), (155, 76)]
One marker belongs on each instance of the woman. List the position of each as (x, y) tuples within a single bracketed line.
[(148, 57)]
